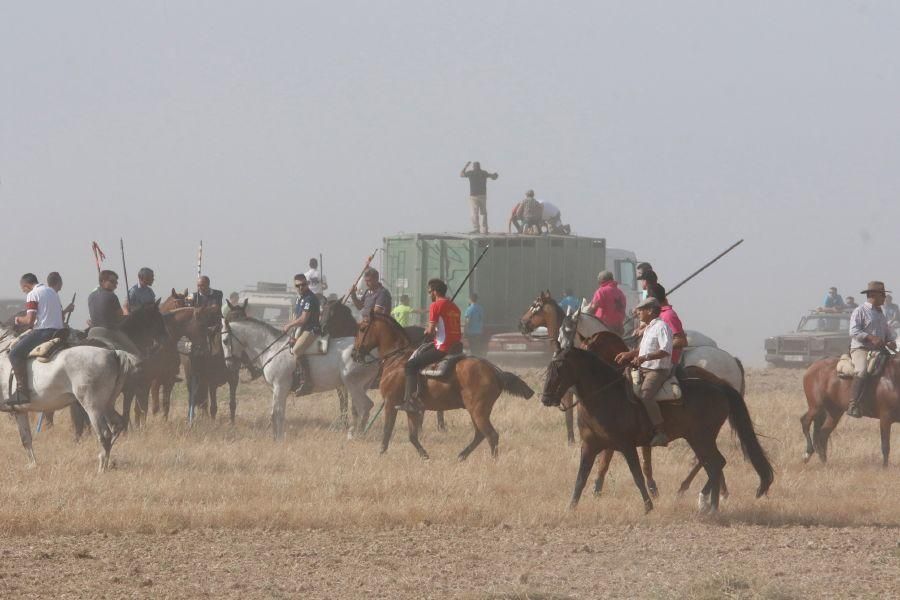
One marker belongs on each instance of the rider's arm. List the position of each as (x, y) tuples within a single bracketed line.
[(358, 303), (27, 320), (679, 340)]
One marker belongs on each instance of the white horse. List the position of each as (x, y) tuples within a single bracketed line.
[(258, 345), (701, 350), (93, 377)]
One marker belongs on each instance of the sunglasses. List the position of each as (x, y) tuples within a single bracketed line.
[(299, 285)]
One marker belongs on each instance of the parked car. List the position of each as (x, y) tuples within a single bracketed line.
[(819, 334), (516, 349)]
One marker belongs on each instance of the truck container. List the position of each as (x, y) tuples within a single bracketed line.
[(508, 279)]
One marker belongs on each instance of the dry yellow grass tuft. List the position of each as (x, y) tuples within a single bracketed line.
[(168, 477)]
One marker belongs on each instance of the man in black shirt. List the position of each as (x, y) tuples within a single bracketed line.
[(103, 304), (478, 194)]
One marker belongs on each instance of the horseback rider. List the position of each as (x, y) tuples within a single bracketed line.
[(54, 280), (445, 327), (668, 314), (206, 296), (307, 310), (43, 315), (375, 299), (608, 303), (141, 293), (869, 331), (654, 358), (106, 313)]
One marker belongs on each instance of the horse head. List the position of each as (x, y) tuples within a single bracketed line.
[(544, 312), (145, 326), (236, 311), (173, 302), (560, 377), (232, 348), (337, 320)]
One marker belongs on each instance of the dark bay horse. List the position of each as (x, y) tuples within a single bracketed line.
[(609, 419), (474, 384), (828, 395)]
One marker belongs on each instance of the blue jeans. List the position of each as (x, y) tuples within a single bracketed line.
[(18, 354)]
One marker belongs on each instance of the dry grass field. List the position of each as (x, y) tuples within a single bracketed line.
[(224, 511)]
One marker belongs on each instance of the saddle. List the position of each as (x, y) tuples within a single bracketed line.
[(845, 370), (443, 368), (669, 392), (61, 341)]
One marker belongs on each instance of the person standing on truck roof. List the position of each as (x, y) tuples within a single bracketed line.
[(478, 194), (608, 303), (317, 283), (833, 300)]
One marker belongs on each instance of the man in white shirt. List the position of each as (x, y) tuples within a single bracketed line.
[(550, 216), (654, 358), (43, 315), (317, 283)]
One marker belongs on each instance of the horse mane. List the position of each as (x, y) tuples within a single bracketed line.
[(560, 313), (268, 327), (392, 322), (597, 363)]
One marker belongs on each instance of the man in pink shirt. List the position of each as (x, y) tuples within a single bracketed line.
[(668, 314), (608, 303)]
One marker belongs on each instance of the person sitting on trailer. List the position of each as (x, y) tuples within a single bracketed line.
[(532, 214)]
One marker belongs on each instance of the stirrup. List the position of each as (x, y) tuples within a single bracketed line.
[(412, 405)]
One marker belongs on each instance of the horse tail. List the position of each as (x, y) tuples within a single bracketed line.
[(512, 383), (740, 421), (743, 375)]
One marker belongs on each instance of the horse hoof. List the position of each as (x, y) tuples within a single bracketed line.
[(654, 492), (807, 456), (703, 503), (648, 506)]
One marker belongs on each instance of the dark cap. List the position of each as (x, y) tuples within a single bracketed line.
[(656, 290)]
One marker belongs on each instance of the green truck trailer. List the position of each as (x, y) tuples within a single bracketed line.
[(512, 273)]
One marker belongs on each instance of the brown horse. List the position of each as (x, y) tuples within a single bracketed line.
[(608, 418), (166, 381), (474, 384), (828, 395)]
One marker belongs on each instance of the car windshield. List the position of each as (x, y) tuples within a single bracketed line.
[(831, 323)]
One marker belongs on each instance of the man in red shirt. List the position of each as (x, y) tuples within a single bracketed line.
[(444, 325), (608, 303), (668, 314)]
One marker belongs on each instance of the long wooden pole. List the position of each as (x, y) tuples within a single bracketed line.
[(361, 273)]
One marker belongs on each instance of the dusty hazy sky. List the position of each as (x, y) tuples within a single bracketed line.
[(278, 130)]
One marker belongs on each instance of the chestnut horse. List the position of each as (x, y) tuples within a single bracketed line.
[(474, 384), (828, 395), (608, 418)]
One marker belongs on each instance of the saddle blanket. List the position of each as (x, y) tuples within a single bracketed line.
[(845, 368), (44, 352), (669, 392)]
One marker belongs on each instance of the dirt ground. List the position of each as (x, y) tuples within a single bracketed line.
[(222, 511)]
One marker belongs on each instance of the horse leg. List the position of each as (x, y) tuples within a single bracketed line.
[(213, 402), (104, 436), (647, 465), (140, 405), (805, 422), (167, 398), (482, 421), (606, 457), (415, 421), (566, 403), (47, 423), (718, 464), (712, 461), (343, 406), (232, 398), (886, 423), (390, 418), (634, 465), (25, 434), (80, 419), (441, 424), (479, 436), (828, 426), (686, 484), (588, 455), (279, 399), (154, 397)]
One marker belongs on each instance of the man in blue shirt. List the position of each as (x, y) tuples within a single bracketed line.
[(474, 327), (307, 310), (569, 303), (833, 300)]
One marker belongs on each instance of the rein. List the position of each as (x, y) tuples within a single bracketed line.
[(258, 356)]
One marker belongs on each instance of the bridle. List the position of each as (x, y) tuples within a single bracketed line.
[(360, 356), (228, 332)]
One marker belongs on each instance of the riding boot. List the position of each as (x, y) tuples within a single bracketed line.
[(659, 437), (411, 402), (857, 389), (22, 395), (302, 382)]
